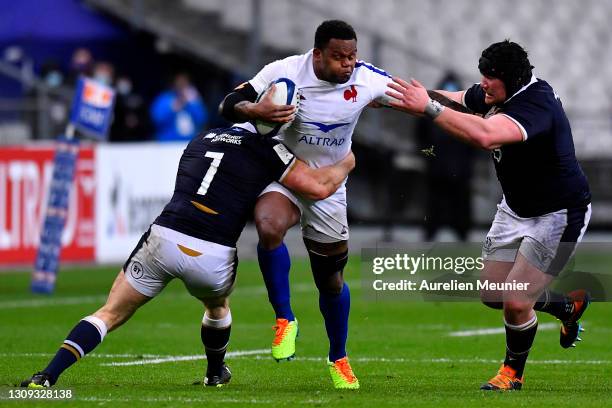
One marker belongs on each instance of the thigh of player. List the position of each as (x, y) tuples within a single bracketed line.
[(123, 300), (325, 221), (277, 209), (553, 238), (207, 269)]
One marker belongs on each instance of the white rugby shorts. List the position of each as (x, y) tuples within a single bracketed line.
[(207, 269), (548, 241), (322, 221)]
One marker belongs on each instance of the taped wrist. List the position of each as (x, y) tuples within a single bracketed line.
[(433, 109)]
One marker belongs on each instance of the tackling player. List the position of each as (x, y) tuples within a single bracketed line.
[(335, 88), (220, 175), (546, 204)]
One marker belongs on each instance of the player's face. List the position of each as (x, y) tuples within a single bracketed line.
[(336, 61), (495, 90)]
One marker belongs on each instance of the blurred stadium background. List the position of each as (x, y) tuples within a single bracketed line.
[(140, 45)]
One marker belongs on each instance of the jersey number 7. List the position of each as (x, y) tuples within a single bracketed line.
[(212, 170)]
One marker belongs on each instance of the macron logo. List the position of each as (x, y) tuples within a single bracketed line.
[(327, 128)]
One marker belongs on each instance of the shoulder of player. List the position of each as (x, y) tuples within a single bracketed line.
[(366, 69), (292, 60), (537, 93)]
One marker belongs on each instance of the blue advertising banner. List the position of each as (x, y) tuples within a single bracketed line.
[(47, 258), (92, 108)]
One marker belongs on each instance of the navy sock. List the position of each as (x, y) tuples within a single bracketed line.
[(215, 335), (83, 338), (335, 311), (519, 340), (275, 265)]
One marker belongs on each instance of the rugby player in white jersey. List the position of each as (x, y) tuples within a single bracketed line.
[(335, 88)]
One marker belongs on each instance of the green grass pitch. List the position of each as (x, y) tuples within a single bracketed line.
[(401, 351)]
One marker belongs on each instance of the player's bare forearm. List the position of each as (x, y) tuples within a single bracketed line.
[(244, 111), (339, 172), (487, 134), (318, 184), (330, 178), (448, 102), (455, 96), (490, 133)]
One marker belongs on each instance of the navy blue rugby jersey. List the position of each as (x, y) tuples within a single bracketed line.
[(220, 175), (541, 174)]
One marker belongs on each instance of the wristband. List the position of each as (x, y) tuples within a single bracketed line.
[(433, 109)]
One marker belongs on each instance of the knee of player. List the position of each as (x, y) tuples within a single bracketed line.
[(516, 306), (270, 228), (330, 285)]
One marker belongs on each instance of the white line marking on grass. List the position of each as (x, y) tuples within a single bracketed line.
[(496, 330), (52, 301), (262, 355), (170, 359), (94, 355)]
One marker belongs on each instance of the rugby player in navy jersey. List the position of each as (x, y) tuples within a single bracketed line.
[(546, 203), (220, 175)]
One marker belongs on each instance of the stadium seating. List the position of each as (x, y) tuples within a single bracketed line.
[(566, 39)]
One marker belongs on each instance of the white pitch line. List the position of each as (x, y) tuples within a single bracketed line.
[(496, 330), (51, 301), (170, 359), (261, 354), (94, 355)]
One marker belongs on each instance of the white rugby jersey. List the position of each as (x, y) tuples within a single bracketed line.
[(322, 130)]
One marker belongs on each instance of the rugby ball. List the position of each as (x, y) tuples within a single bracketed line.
[(286, 94)]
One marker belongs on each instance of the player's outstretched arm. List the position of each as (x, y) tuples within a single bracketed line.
[(240, 106), (455, 96), (488, 133), (449, 99), (318, 184)]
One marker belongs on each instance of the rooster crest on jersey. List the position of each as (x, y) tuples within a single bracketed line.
[(286, 94)]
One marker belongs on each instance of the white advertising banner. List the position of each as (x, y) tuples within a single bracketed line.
[(134, 182)]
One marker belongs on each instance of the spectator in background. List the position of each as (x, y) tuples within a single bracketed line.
[(178, 113), (50, 117), (104, 72), (449, 173), (131, 121), (81, 63)]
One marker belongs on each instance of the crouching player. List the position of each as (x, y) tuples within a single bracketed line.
[(220, 175)]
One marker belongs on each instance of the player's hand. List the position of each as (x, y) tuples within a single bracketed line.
[(268, 111), (410, 97)]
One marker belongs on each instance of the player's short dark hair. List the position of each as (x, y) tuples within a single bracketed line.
[(507, 61), (329, 29)]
